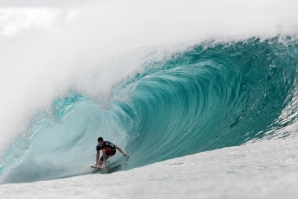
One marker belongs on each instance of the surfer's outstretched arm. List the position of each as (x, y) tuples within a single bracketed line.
[(120, 150)]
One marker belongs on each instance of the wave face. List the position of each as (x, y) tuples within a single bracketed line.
[(212, 96)]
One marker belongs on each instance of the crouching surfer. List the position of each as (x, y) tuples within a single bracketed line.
[(108, 149)]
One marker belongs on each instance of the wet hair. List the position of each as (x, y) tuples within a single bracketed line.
[(99, 139)]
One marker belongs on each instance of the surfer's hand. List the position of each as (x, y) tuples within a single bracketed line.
[(125, 155)]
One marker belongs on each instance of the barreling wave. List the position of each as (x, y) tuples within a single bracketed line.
[(212, 96)]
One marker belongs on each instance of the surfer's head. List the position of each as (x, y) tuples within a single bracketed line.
[(100, 141)]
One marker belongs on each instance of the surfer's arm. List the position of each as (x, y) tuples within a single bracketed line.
[(97, 157), (120, 150)]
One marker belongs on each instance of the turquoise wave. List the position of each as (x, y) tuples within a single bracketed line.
[(214, 95)]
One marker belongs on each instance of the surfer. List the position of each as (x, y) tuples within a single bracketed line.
[(108, 150)]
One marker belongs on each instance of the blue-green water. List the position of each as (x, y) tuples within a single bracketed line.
[(212, 96)]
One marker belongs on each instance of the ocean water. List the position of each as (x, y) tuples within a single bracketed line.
[(158, 97), (209, 97)]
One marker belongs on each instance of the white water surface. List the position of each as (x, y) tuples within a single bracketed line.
[(265, 169)]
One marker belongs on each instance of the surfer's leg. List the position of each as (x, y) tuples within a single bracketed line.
[(101, 159), (100, 162), (104, 157)]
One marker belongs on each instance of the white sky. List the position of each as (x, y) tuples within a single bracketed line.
[(44, 3)]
